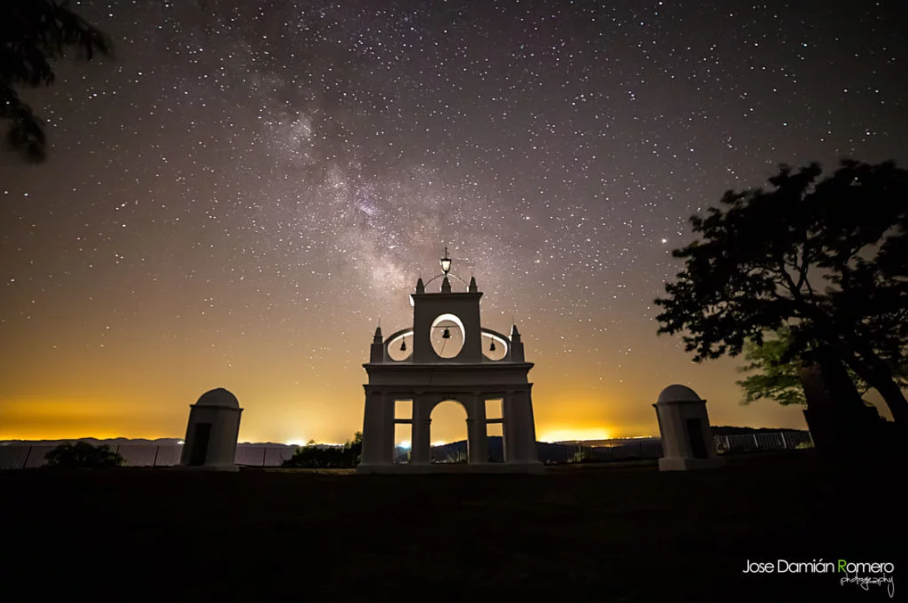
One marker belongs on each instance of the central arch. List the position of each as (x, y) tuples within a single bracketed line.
[(449, 432)]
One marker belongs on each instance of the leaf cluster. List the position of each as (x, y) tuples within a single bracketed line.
[(773, 379), (33, 34)]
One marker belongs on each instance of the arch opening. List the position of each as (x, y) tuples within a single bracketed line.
[(448, 433), (403, 431), (495, 429)]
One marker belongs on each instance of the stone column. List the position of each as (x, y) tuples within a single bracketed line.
[(477, 442), (420, 445), (374, 438), (519, 428), (509, 427), (528, 429), (387, 431)]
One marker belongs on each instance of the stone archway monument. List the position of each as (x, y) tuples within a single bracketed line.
[(447, 355)]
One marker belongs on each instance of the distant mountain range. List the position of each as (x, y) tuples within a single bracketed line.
[(717, 430), (727, 430)]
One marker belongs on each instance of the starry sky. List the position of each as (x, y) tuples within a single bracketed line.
[(249, 187)]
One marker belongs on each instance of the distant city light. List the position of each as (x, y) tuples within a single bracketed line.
[(575, 435), (405, 444), (181, 442), (439, 443), (296, 443)]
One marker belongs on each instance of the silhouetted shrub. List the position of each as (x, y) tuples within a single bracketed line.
[(83, 454), (316, 457)]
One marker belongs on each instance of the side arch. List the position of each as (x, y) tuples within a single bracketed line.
[(392, 339), (500, 339)]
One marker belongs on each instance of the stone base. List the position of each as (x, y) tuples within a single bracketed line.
[(427, 468), (686, 464)]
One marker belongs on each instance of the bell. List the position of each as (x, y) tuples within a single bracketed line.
[(446, 334), (492, 346), (403, 345)]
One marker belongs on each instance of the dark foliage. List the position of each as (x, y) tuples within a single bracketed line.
[(826, 258), (315, 457), (83, 455), (33, 33)]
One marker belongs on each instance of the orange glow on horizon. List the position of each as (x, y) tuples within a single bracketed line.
[(68, 419), (146, 393), (567, 434)]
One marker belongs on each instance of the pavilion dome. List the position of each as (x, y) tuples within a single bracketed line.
[(218, 397), (678, 393)]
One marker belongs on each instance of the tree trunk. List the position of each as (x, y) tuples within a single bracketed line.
[(838, 419), (862, 359), (876, 374), (895, 400)]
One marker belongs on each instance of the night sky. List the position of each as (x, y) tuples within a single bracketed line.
[(239, 197)]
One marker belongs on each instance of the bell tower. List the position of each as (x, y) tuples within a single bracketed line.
[(447, 361), (437, 311)]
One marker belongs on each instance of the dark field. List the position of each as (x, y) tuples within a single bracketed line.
[(590, 533)]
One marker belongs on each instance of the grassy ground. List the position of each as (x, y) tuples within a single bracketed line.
[(592, 533)]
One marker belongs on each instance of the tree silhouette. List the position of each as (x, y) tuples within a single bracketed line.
[(33, 33), (825, 258), (356, 447), (316, 457), (83, 454)]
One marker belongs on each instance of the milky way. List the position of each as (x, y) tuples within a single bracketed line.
[(249, 187)]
